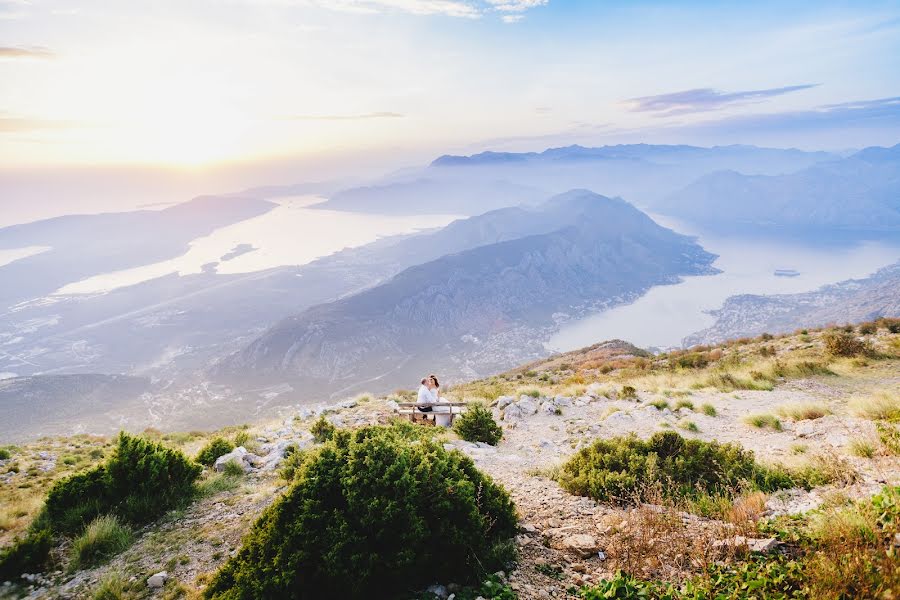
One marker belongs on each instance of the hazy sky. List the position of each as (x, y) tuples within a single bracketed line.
[(201, 82)]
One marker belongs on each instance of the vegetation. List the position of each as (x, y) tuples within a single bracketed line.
[(803, 411), (628, 469), (477, 424), (112, 587), (322, 430), (371, 512), (709, 410), (763, 421), (103, 538), (141, 481), (215, 448), (844, 343), (881, 405)]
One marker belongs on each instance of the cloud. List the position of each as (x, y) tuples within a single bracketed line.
[(15, 124), (359, 117), (472, 9), (516, 5), (25, 52), (704, 99), (449, 8)]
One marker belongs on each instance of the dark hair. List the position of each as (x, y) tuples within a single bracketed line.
[(435, 380)]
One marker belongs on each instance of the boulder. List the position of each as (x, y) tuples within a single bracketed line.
[(562, 401), (236, 456), (528, 405), (504, 401), (581, 544), (157, 580)]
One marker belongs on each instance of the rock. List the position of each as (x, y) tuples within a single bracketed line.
[(528, 405), (582, 544), (348, 403), (563, 401), (513, 412), (236, 456), (549, 408), (504, 401), (392, 405), (763, 546), (438, 590), (528, 528), (157, 580)]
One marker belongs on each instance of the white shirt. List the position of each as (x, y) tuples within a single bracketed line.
[(426, 396)]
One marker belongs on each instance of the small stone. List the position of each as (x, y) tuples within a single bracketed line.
[(581, 543), (157, 580), (438, 590)]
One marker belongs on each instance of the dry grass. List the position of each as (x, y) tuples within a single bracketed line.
[(862, 448), (801, 411), (880, 405), (763, 421)]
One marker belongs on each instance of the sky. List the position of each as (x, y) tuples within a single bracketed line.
[(207, 84)]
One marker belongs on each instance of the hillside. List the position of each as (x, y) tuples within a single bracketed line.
[(860, 192), (445, 313), (786, 398)]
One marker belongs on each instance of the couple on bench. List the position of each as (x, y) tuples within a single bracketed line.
[(429, 399)]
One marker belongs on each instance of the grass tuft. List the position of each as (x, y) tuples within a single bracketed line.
[(801, 411), (881, 405), (102, 539), (763, 421)]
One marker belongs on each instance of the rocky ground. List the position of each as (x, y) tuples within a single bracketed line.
[(565, 541)]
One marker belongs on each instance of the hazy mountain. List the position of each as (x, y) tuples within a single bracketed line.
[(434, 195), (849, 301), (861, 192), (436, 312), (641, 173)]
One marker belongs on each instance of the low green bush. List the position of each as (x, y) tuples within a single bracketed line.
[(4, 454), (102, 539), (372, 514), (213, 450), (322, 430), (477, 425), (140, 481), (628, 469), (26, 555)]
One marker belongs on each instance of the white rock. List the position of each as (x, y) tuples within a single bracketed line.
[(157, 580), (528, 405), (236, 456), (438, 590), (348, 403), (504, 401), (582, 544), (562, 401)]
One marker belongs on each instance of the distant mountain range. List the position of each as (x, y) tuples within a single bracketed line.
[(860, 192), (641, 173), (850, 301), (578, 249)]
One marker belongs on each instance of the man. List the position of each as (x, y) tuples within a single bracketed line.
[(427, 394)]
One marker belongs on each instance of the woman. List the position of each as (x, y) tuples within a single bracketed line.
[(442, 415)]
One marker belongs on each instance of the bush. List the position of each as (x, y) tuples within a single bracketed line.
[(709, 410), (842, 343), (213, 450), (478, 425), (26, 555), (112, 587), (322, 430), (892, 325), (372, 514), (141, 481), (763, 421), (627, 469), (4, 454), (881, 405), (628, 392), (105, 537), (867, 328)]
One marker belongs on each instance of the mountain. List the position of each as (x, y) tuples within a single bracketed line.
[(443, 312), (434, 196), (851, 301), (860, 192), (641, 173)]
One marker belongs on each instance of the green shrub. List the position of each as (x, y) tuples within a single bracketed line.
[(141, 481), (477, 425), (322, 430), (4, 454), (26, 555), (892, 325), (213, 450), (628, 469), (843, 343), (709, 410), (102, 539), (628, 392), (660, 404), (373, 514), (867, 328), (684, 404)]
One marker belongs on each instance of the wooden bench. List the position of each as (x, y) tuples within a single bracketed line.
[(411, 411)]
